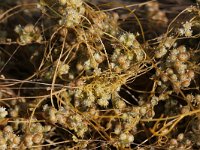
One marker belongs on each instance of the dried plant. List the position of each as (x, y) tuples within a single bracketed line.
[(73, 76)]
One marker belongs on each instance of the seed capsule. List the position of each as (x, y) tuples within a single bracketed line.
[(164, 78), (63, 2), (120, 104), (180, 137), (29, 28), (37, 138), (16, 140), (121, 60), (183, 56), (173, 142), (28, 138), (185, 83), (181, 49), (8, 129), (191, 74), (197, 97)]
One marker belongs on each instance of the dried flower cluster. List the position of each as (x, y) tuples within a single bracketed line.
[(73, 78)]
